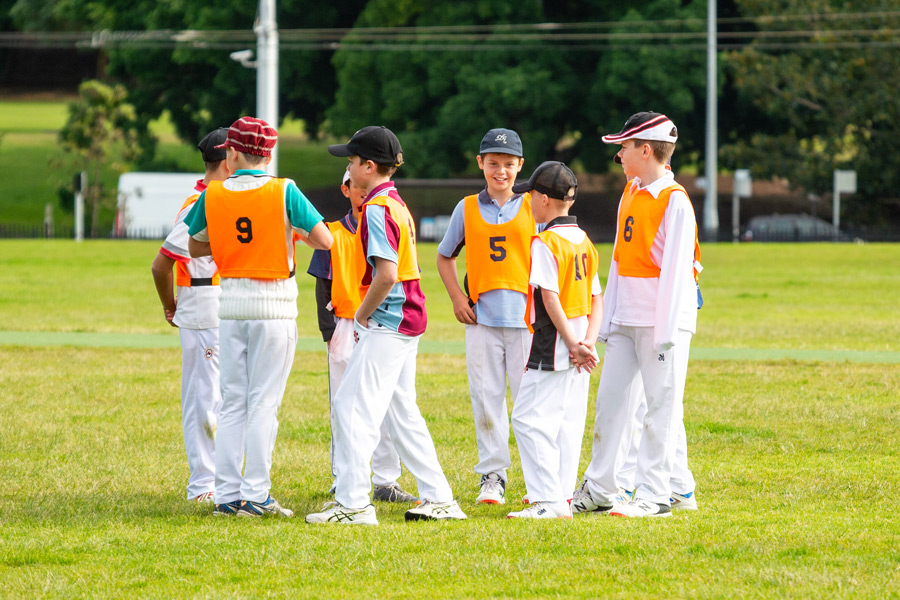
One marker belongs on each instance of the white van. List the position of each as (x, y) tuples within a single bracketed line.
[(149, 202)]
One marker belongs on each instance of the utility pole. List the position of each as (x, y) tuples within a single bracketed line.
[(710, 206), (266, 30)]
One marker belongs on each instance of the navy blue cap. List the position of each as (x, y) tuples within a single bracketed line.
[(501, 141)]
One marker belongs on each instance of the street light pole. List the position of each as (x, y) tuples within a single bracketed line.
[(710, 206), (267, 71)]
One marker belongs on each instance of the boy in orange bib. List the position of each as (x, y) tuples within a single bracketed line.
[(197, 318), (651, 313), (247, 223), (563, 310), (495, 227)]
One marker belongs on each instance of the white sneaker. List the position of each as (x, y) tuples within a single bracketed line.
[(493, 490), (435, 511), (641, 508), (335, 513), (543, 510), (582, 502), (683, 501)]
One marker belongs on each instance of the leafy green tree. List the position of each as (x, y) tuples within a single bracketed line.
[(101, 132), (833, 101), (440, 102)]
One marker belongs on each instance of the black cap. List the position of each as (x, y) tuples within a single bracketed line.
[(552, 178), (207, 145), (375, 143), (501, 141)]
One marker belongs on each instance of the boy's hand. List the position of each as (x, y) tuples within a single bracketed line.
[(463, 312), (584, 357)]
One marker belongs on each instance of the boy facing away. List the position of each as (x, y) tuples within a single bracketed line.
[(339, 291), (651, 314), (495, 226), (247, 223), (196, 315), (564, 311), (379, 385)]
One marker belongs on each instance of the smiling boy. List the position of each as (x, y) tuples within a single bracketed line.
[(496, 226)]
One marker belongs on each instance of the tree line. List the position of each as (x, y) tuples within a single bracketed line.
[(805, 86)]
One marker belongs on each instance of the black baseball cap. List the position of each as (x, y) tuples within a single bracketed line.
[(552, 178), (207, 145), (375, 142), (501, 141)]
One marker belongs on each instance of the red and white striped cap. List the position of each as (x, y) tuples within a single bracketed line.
[(649, 126), (250, 135)]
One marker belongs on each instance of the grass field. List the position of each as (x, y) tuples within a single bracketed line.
[(796, 460)]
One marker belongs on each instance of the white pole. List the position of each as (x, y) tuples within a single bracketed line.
[(836, 201), (710, 206), (267, 71), (79, 208)]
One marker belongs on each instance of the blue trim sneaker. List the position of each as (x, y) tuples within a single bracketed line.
[(435, 511), (227, 509), (335, 513), (641, 508), (493, 490), (683, 501), (261, 509), (543, 510), (392, 493), (583, 502)]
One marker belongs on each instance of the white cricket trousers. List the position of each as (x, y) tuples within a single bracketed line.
[(492, 355), (385, 460), (379, 386), (682, 478), (199, 394), (256, 359), (629, 352), (548, 419)]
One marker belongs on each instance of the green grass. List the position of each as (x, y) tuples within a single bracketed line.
[(796, 461), (29, 148)]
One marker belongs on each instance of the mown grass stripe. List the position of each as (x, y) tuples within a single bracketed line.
[(426, 346)]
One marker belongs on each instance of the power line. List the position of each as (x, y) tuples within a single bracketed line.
[(549, 36)]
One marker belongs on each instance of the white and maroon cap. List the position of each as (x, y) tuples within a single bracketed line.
[(649, 126), (346, 179), (250, 135)]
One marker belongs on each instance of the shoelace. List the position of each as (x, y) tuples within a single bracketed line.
[(489, 484)]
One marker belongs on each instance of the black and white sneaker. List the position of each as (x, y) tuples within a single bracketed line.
[(641, 508)]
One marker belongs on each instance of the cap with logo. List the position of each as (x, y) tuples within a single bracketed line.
[(210, 147), (552, 178), (501, 141), (375, 142), (250, 135)]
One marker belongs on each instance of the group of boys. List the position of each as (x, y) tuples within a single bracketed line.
[(531, 303)]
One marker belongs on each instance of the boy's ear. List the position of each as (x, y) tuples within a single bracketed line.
[(480, 164), (521, 164), (345, 190)]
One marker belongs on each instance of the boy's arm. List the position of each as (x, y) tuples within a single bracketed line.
[(675, 272), (165, 284), (581, 355), (383, 280), (320, 237), (198, 249), (461, 309), (448, 250)]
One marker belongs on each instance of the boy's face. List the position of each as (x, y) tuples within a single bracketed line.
[(360, 172), (539, 204), (356, 194), (500, 171), (631, 154)]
